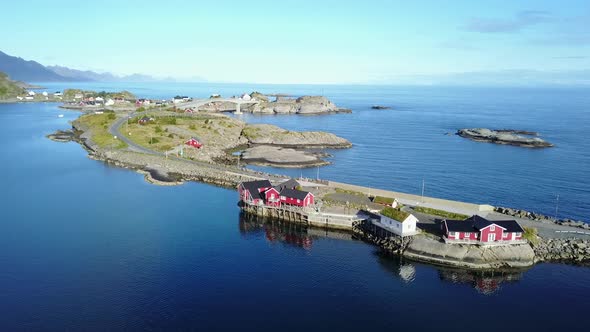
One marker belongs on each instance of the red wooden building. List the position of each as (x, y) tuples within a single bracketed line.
[(478, 230), (296, 197), (252, 192), (194, 143), (262, 192)]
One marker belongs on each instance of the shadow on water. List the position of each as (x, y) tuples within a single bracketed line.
[(486, 282), (294, 234)]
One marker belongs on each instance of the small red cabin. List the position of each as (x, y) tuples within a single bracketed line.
[(252, 191), (272, 197), (479, 230), (194, 143), (296, 197)]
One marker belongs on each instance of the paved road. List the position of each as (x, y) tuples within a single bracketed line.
[(115, 130)]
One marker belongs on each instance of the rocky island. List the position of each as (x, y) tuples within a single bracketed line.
[(261, 104), (167, 133), (505, 136)]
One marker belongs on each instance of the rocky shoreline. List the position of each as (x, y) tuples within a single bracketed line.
[(569, 250), (541, 218), (505, 136), (428, 249)]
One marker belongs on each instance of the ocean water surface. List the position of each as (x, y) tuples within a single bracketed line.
[(85, 246), (398, 149)]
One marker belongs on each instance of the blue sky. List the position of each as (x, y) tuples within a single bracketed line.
[(370, 41)]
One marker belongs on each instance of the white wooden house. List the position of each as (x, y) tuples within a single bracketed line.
[(405, 226)]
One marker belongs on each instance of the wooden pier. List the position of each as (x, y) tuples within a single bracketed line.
[(304, 215)]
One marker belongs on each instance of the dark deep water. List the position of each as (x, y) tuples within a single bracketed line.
[(85, 246)]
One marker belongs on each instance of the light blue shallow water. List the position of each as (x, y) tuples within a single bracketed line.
[(87, 247), (397, 149)]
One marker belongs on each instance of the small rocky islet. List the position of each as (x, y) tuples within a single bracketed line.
[(516, 137), (304, 105)]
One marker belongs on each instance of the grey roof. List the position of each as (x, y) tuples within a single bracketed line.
[(511, 226), (459, 226), (294, 193), (253, 186), (476, 223), (289, 184)]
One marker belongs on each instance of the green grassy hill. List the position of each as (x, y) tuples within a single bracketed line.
[(9, 89)]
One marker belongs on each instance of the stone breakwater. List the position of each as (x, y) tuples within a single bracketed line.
[(541, 218), (563, 250)]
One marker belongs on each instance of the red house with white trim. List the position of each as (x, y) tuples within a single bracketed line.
[(262, 192), (297, 197), (194, 143), (252, 192), (478, 230)]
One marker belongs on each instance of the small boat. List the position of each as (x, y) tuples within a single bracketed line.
[(60, 116)]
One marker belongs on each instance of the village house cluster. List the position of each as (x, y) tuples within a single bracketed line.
[(262, 192), (391, 218)]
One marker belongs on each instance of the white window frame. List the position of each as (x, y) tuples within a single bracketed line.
[(493, 228)]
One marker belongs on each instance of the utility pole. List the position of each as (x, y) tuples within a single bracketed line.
[(557, 206), (239, 160), (422, 190)]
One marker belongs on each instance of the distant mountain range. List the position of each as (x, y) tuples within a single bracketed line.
[(31, 71)]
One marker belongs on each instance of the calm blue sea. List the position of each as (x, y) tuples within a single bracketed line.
[(398, 149), (87, 247)]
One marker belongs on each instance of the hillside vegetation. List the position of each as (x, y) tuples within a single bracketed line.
[(8, 88)]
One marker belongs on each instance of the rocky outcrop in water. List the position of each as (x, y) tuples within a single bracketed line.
[(301, 105), (62, 136), (504, 136), (379, 107)]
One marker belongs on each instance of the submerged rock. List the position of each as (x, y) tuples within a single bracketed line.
[(505, 136), (62, 136)]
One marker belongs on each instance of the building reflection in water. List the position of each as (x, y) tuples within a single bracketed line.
[(293, 234), (398, 266), (485, 282)]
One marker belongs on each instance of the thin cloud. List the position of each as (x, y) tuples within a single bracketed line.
[(572, 40), (458, 45), (521, 20)]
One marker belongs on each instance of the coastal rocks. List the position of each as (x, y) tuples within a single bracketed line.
[(563, 250), (62, 136), (263, 134), (301, 105), (431, 249), (541, 218), (471, 256), (379, 107), (504, 136), (281, 157)]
